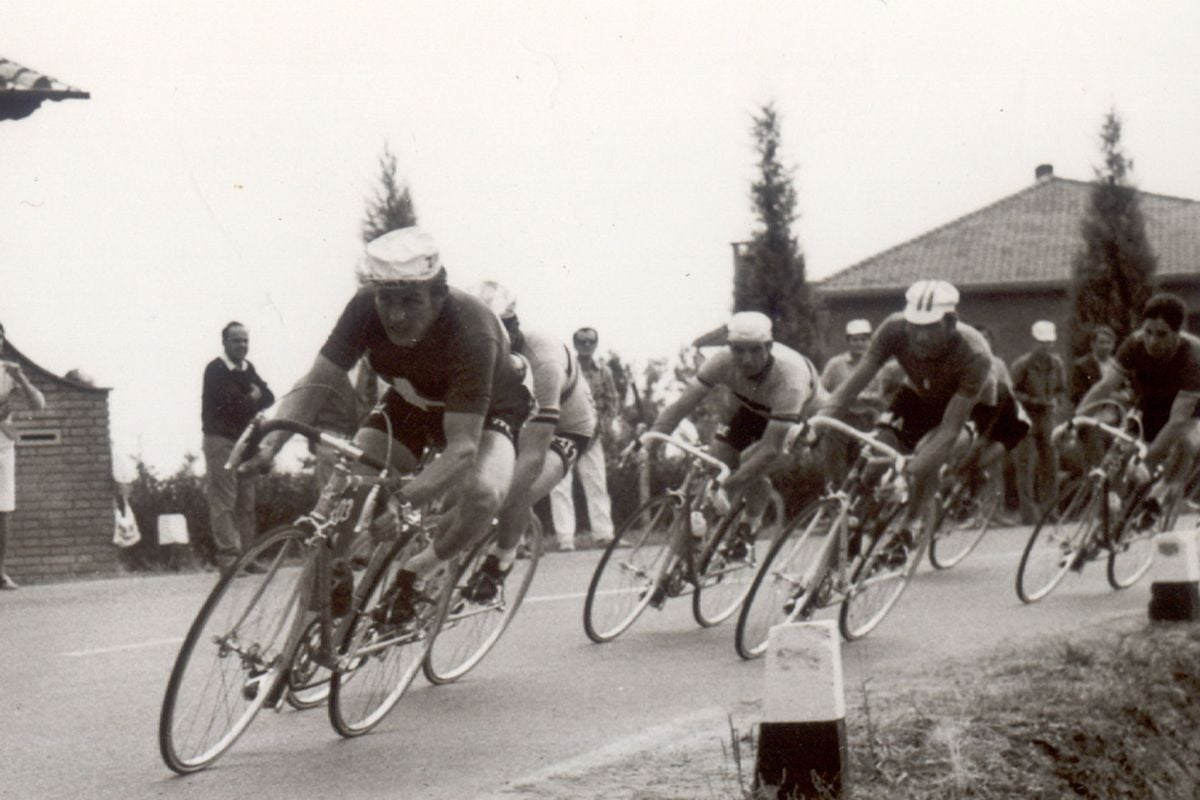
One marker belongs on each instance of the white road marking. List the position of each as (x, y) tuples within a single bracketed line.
[(121, 647)]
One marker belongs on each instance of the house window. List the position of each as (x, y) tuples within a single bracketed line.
[(39, 437)]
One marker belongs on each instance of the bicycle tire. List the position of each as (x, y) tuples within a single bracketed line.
[(624, 580), (726, 566), (1058, 540), (307, 681), (876, 586), (235, 654), (470, 630), (1131, 555), (798, 558), (962, 522), (381, 660)]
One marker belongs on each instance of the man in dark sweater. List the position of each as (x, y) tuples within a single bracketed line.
[(233, 394)]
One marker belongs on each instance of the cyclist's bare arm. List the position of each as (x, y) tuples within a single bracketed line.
[(463, 433), (1110, 381), (845, 394), (1182, 411), (669, 418), (759, 458)]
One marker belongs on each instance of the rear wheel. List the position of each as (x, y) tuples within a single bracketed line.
[(470, 629), (786, 586), (963, 518), (380, 659), (730, 560), (1132, 554), (234, 655), (1059, 539), (878, 582), (624, 580)]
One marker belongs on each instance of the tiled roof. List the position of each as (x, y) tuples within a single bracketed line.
[(22, 90), (1028, 237)]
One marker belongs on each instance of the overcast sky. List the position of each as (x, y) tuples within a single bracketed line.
[(596, 157)]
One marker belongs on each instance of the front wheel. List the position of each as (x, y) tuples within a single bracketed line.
[(878, 582), (963, 517), (1132, 554), (624, 581), (786, 586), (473, 626), (235, 653), (1059, 540)]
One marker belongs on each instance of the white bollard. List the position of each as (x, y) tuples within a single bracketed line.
[(802, 738), (1175, 590)]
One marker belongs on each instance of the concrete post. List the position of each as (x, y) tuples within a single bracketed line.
[(1175, 587), (802, 738)]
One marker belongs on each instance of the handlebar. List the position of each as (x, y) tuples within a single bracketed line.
[(260, 426), (692, 450), (820, 421), (1092, 422)]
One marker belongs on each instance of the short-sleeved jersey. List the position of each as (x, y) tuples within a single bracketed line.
[(964, 368), (461, 365), (1158, 381), (561, 396), (781, 392)]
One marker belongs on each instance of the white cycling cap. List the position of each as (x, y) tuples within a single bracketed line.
[(500, 300), (405, 255), (858, 327), (1044, 331), (748, 326), (929, 301)]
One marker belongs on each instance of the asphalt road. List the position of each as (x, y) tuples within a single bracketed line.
[(84, 666)]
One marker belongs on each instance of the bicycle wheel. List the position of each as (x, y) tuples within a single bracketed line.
[(623, 583), (785, 588), (235, 652), (877, 584), (726, 566), (963, 517), (379, 660), (1058, 540), (1132, 554), (471, 629), (307, 681)]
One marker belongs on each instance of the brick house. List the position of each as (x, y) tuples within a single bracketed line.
[(1011, 262), (63, 525)]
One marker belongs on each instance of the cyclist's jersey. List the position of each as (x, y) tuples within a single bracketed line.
[(965, 367), (783, 391), (461, 365), (1158, 381), (561, 397)]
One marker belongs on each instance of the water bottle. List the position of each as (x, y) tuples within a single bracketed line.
[(699, 524)]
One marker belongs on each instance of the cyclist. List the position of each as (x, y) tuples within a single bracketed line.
[(453, 385), (562, 423), (774, 387), (951, 379), (1161, 362)]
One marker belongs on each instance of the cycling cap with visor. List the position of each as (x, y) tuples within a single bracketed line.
[(500, 300), (926, 302), (399, 257), (748, 326)]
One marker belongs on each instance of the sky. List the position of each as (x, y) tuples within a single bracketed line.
[(596, 157)]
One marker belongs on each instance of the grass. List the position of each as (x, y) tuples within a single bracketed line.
[(1112, 717)]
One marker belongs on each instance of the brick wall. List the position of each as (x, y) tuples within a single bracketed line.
[(63, 525)]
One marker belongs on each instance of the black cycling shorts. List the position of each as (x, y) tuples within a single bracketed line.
[(743, 429), (912, 416), (569, 447), (417, 428)]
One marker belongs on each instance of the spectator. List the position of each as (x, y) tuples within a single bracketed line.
[(1087, 369), (233, 394), (590, 467), (872, 400), (12, 382), (1039, 381)]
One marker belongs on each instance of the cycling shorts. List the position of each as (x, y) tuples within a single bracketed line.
[(912, 416), (418, 428), (569, 447), (743, 429)]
